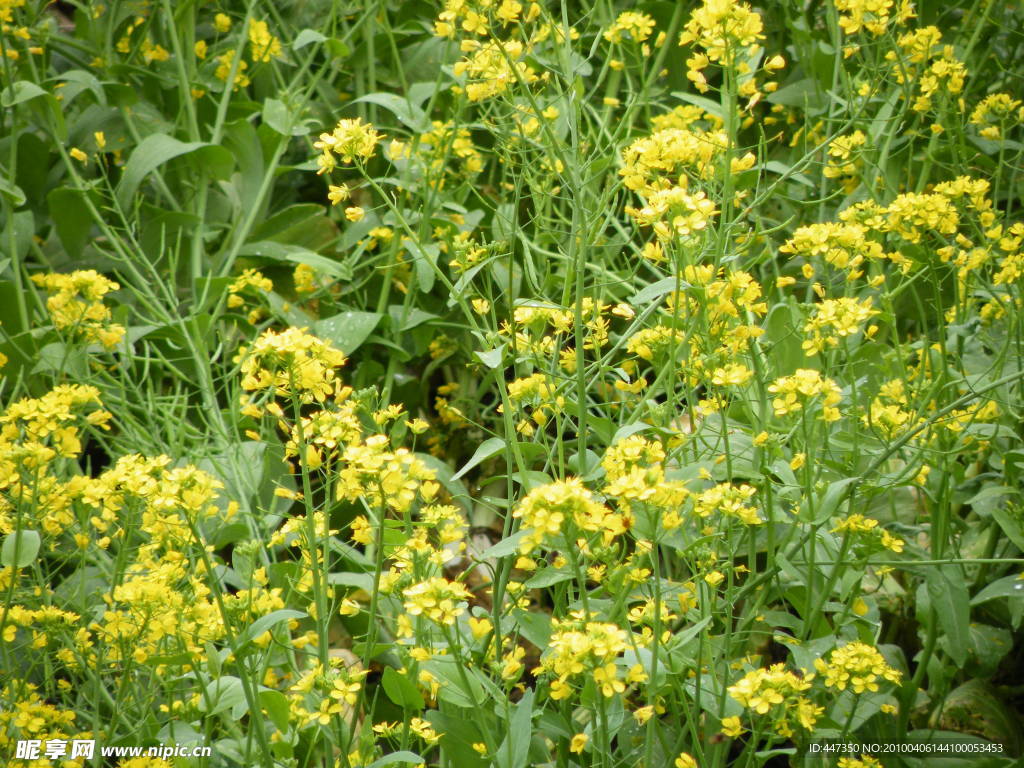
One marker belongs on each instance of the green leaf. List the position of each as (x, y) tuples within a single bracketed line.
[(951, 602), (277, 706), (407, 113), (833, 496), (264, 623), (347, 330), (14, 194), (155, 150), (425, 263), (306, 37), (484, 451), (535, 627), (515, 749), (223, 694), (1010, 586), (492, 357), (397, 757), (295, 254), (20, 92), (277, 116), (774, 166), (19, 549), (401, 690), (458, 687), (71, 218), (548, 577)]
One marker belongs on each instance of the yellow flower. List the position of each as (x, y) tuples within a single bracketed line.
[(731, 727), (264, 45), (338, 194), (355, 213), (78, 155), (222, 22), (685, 760), (578, 743)]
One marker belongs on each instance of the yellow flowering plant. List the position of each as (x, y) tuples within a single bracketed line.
[(511, 383)]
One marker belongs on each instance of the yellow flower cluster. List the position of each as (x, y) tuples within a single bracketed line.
[(868, 536), (319, 696), (591, 648), (76, 304), (995, 112), (290, 362), (634, 471), (778, 692), (671, 156), (492, 68), (797, 390), (437, 599), (857, 666), (728, 500), (351, 141), (929, 65), (631, 25), (874, 16), (264, 45), (547, 511), (388, 479), (721, 28), (834, 319)]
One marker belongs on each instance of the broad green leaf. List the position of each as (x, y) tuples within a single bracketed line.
[(306, 37), (155, 150), (277, 706), (504, 548), (397, 757), (408, 114), (488, 448), (492, 357), (401, 690), (223, 694), (14, 194), (951, 602), (19, 549), (347, 330), (71, 218), (548, 577), (515, 749), (264, 623), (1010, 586), (295, 254), (459, 685), (535, 627), (20, 92)]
